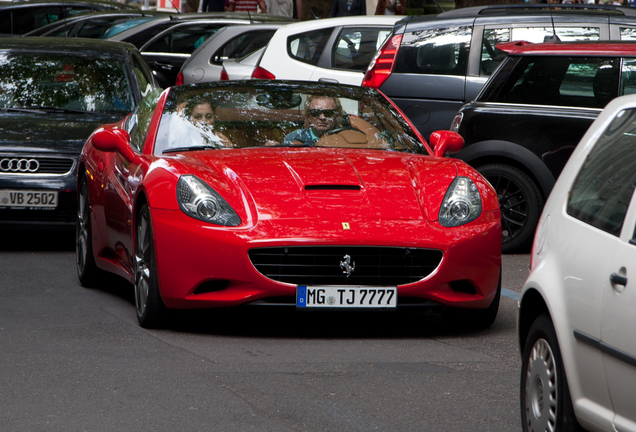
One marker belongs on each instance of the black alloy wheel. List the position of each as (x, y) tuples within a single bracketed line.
[(545, 400), (520, 203), (150, 308)]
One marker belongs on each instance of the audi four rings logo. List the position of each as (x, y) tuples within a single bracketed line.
[(19, 165)]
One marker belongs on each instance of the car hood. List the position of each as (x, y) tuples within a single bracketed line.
[(44, 133), (325, 183)]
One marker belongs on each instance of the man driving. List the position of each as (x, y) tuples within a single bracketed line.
[(322, 114)]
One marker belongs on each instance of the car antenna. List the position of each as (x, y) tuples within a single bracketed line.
[(250, 15), (437, 4), (554, 37), (310, 10)]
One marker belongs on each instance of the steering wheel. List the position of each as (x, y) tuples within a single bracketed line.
[(343, 128)]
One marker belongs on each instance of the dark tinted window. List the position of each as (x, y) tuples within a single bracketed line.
[(242, 45), (183, 39), (308, 47), (95, 28), (436, 52), (589, 82), (138, 122), (604, 186), (355, 47), (140, 38), (31, 18)]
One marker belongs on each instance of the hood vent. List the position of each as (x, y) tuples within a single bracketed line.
[(332, 187)]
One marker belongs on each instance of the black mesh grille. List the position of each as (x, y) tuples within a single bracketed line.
[(54, 165), (321, 265)]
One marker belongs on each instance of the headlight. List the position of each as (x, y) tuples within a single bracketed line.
[(462, 203), (199, 200)]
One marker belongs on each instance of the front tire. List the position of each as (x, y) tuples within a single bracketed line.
[(520, 202), (150, 308), (545, 399), (88, 273)]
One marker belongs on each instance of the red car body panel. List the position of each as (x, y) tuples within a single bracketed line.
[(397, 204)]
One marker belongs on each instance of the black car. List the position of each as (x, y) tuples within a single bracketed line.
[(167, 42), (53, 93), (18, 18), (430, 67), (531, 114), (92, 24)]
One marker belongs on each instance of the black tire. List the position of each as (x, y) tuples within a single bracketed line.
[(151, 310), (477, 319), (521, 204), (545, 399), (88, 273)]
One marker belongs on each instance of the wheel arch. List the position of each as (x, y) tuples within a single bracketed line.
[(497, 151), (531, 305)]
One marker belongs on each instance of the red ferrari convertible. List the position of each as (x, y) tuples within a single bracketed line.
[(304, 194)]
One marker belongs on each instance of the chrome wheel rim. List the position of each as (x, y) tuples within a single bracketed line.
[(81, 245), (142, 262), (541, 389)]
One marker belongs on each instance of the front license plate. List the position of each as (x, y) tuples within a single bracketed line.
[(346, 297), (28, 198)]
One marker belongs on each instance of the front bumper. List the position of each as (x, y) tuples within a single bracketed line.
[(200, 265)]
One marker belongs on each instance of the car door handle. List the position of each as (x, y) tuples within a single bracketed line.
[(165, 66), (328, 80), (618, 280)]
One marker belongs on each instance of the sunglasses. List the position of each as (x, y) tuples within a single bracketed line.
[(329, 113)]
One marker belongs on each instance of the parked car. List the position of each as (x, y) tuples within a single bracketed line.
[(167, 42), (576, 312), (90, 25), (232, 42), (53, 93), (20, 17), (364, 215), (523, 126), (430, 67), (336, 50), (241, 68)]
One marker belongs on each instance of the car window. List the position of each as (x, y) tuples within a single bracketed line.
[(438, 52), (356, 46), (65, 80), (76, 10), (628, 33), (182, 40), (95, 28), (268, 116), (140, 38), (604, 186), (138, 122), (31, 18), (491, 56), (589, 82), (242, 45), (308, 47)]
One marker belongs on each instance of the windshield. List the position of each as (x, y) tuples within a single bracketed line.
[(65, 81), (280, 115)]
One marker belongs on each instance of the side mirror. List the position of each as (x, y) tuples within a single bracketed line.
[(444, 141), (113, 140)]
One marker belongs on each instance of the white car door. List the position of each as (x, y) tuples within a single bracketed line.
[(602, 197)]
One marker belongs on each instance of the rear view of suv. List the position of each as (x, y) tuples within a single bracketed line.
[(430, 67), (532, 113)]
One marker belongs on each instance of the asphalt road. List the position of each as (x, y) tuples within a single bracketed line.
[(74, 359)]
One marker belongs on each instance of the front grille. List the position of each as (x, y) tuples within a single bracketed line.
[(30, 165), (321, 265)]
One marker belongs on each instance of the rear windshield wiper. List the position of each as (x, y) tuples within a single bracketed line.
[(191, 148)]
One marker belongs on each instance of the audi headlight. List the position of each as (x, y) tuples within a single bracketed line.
[(462, 203), (199, 200)]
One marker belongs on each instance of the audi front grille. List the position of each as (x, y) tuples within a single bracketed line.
[(35, 165), (345, 265)]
